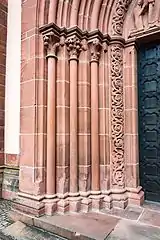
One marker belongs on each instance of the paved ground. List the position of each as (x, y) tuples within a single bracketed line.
[(133, 223), (137, 223), (19, 231), (4, 237), (129, 230), (5, 207)]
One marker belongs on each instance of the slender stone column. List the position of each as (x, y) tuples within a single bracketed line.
[(95, 54), (73, 126), (51, 45), (74, 47)]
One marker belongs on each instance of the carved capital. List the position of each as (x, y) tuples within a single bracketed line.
[(96, 47), (105, 47), (74, 46), (51, 43)]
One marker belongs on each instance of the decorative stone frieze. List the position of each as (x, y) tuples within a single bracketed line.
[(119, 16), (117, 116)]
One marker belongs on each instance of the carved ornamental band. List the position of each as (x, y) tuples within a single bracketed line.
[(117, 115), (119, 16)]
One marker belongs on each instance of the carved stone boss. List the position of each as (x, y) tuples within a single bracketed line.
[(117, 116)]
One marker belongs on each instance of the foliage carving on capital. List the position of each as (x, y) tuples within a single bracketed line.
[(117, 116), (74, 46), (119, 16), (51, 43), (105, 47), (96, 47)]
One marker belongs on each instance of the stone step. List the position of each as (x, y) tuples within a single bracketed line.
[(20, 231)]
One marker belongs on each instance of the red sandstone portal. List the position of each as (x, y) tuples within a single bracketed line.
[(80, 141)]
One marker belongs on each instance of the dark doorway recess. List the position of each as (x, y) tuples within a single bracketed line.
[(149, 119)]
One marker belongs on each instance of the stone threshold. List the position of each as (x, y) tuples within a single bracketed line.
[(88, 226), (93, 225)]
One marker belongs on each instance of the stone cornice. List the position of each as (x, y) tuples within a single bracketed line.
[(74, 31), (57, 33), (141, 36), (50, 29)]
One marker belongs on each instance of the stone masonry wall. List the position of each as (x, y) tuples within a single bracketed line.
[(75, 119)]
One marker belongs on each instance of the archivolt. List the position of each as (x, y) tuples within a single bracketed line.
[(86, 14)]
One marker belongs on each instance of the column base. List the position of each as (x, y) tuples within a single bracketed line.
[(50, 206), (107, 201), (75, 204), (135, 196), (97, 202), (32, 205), (115, 198), (62, 206), (86, 205), (119, 198)]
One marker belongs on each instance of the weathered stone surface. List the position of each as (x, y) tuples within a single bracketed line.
[(19, 231), (82, 226), (79, 108), (10, 184), (5, 207), (150, 217), (131, 212), (127, 230)]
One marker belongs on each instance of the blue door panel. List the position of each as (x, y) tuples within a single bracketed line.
[(149, 120)]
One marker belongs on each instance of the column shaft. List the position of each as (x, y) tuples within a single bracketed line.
[(51, 125), (73, 126), (94, 127)]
